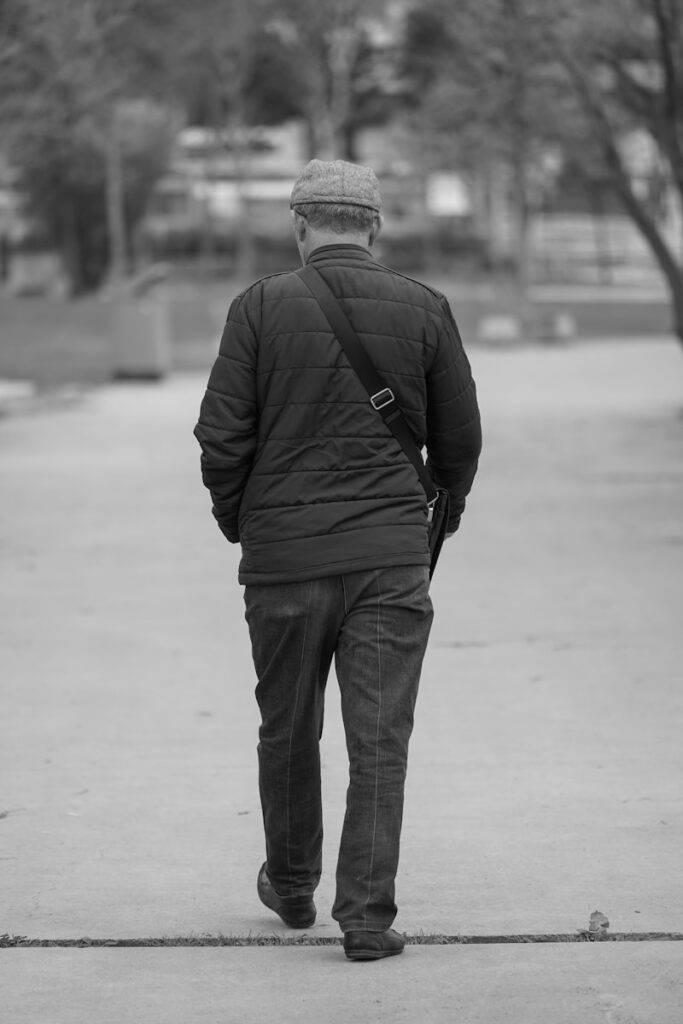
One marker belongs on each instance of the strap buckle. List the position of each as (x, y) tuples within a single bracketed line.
[(382, 398)]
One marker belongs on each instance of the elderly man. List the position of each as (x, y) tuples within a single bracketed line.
[(331, 516)]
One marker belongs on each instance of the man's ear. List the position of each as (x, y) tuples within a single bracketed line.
[(300, 226), (377, 224)]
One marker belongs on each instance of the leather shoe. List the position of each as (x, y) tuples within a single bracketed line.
[(294, 911), (372, 945)]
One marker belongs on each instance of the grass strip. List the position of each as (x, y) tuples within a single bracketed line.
[(21, 941)]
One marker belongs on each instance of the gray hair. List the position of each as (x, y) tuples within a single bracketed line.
[(342, 218)]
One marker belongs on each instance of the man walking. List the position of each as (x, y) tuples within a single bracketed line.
[(332, 520)]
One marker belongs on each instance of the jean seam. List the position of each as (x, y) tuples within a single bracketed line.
[(377, 735), (291, 734)]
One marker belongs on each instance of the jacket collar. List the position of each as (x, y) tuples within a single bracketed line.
[(340, 251)]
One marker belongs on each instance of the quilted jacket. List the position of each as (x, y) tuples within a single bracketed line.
[(302, 471)]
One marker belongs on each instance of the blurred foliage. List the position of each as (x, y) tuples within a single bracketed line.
[(596, 83), (63, 179), (72, 76), (541, 88), (345, 66), (265, 61)]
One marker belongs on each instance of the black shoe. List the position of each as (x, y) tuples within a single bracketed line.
[(372, 945), (295, 911)]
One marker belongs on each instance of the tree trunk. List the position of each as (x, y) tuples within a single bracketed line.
[(670, 266), (604, 134), (321, 140), (116, 219), (245, 248), (343, 52), (603, 252), (496, 215), (521, 220), (676, 290), (242, 15), (513, 19), (71, 249), (349, 148)]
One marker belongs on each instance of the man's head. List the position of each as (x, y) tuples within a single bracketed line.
[(335, 201)]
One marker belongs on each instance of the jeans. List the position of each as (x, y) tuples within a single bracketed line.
[(376, 625)]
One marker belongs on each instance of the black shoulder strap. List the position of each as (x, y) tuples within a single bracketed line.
[(382, 398)]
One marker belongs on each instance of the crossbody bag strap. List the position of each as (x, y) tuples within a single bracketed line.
[(382, 398)]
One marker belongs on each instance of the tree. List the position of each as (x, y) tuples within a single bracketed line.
[(71, 71), (215, 48), (623, 70), (330, 43), (478, 77), (510, 77), (243, 63)]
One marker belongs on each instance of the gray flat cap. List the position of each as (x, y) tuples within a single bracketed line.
[(338, 182)]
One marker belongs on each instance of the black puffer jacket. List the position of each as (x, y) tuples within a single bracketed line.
[(302, 470)]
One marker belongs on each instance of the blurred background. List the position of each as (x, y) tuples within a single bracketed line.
[(530, 154)]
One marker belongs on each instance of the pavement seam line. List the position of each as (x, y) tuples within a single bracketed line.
[(21, 941)]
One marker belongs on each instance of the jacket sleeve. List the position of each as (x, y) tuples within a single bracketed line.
[(453, 421), (227, 427)]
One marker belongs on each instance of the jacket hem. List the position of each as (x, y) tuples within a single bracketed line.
[(315, 572)]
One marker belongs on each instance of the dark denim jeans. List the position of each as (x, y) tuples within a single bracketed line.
[(376, 625)]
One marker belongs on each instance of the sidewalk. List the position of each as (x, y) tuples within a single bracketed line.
[(545, 773)]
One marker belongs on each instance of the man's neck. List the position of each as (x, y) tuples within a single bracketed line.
[(318, 239)]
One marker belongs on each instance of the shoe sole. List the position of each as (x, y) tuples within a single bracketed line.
[(371, 954), (296, 927)]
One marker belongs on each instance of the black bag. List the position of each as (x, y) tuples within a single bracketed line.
[(384, 402), (438, 525)]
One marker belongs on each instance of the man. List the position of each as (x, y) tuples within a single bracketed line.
[(332, 520)]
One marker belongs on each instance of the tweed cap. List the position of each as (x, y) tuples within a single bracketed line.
[(338, 182)]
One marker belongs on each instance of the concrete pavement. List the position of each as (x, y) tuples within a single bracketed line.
[(606, 983), (545, 775)]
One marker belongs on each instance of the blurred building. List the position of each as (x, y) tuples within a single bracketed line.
[(217, 180), (434, 216), (221, 187)]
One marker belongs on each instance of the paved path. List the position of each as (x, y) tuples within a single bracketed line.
[(545, 775), (606, 983)]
